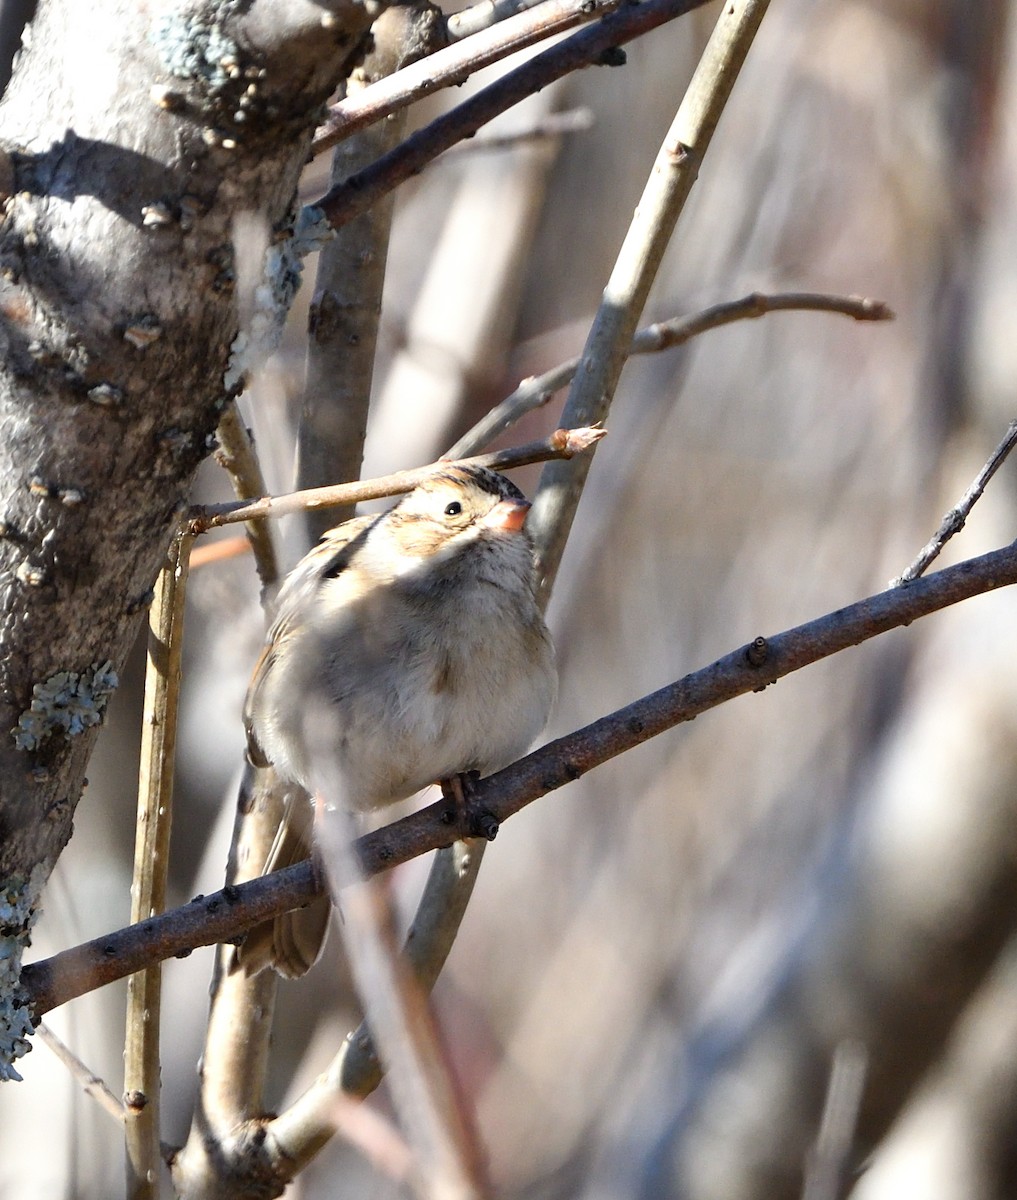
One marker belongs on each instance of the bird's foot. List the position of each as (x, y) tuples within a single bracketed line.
[(473, 819)]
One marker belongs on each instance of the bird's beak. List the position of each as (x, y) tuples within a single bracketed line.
[(508, 515)]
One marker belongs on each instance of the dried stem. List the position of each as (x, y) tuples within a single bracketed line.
[(563, 443), (826, 1170), (553, 125), (428, 944), (954, 520), (438, 1124), (91, 1084), (663, 335), (306, 1125), (237, 456), (747, 669), (219, 551), (582, 49), (151, 865), (238, 1034), (608, 343), (454, 65), (470, 21), (238, 1031)]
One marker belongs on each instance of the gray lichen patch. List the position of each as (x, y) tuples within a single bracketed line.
[(17, 916), (223, 82), (194, 45), (274, 295), (69, 702)]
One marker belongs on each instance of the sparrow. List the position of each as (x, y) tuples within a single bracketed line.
[(407, 649)]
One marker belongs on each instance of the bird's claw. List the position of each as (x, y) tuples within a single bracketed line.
[(473, 819)]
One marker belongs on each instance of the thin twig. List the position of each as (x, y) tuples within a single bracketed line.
[(237, 456), (231, 1096), (470, 21), (151, 866), (219, 551), (954, 520), (346, 310), (435, 925), (454, 65), (588, 46), (553, 125), (827, 1164), (376, 1137), (750, 668), (607, 346), (438, 1123), (305, 1125), (563, 443), (91, 1084), (663, 335)]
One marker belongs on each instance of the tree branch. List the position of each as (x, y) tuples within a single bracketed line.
[(226, 914), (665, 193), (454, 65), (116, 249), (953, 521), (663, 335), (589, 46), (239, 459), (91, 1084), (563, 443), (469, 21), (151, 867)]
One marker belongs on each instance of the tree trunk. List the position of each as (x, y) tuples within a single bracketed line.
[(130, 142)]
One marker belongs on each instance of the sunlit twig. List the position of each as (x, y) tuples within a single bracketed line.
[(954, 520)]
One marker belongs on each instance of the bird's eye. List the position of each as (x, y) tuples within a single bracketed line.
[(453, 509)]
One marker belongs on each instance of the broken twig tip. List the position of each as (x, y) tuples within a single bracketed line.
[(874, 310), (575, 441)]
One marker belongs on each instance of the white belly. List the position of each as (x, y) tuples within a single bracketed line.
[(406, 699)]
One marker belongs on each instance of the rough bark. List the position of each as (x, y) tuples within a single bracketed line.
[(130, 141)]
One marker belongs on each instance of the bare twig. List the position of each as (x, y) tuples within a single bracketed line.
[(151, 865), (346, 310), (454, 65), (91, 1084), (237, 456), (428, 943), (607, 345), (749, 668), (829, 1157), (954, 520), (663, 335), (563, 443), (553, 125), (304, 1127), (470, 21), (238, 1033), (219, 551), (342, 204), (438, 1123), (376, 1138)]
